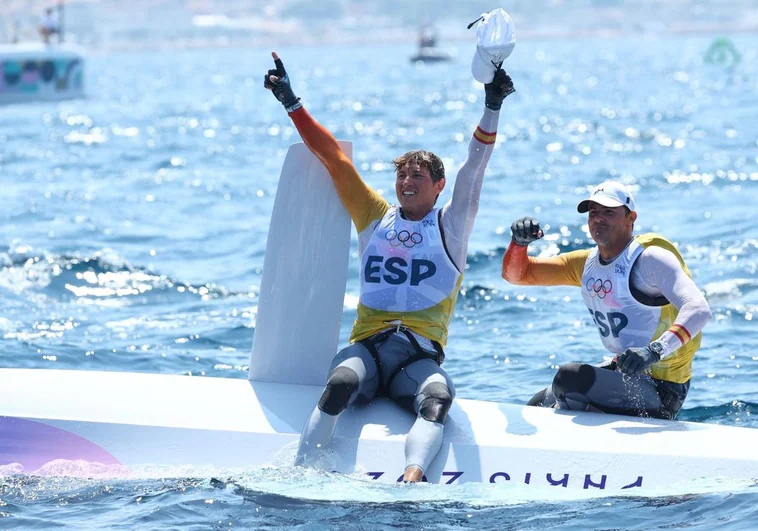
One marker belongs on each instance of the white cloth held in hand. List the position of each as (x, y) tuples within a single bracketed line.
[(495, 40)]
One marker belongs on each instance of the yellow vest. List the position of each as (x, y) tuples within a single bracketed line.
[(407, 278), (677, 367)]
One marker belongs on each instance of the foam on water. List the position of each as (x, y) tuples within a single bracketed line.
[(312, 485)]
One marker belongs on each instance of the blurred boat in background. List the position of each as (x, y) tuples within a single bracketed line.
[(48, 70), (33, 71), (428, 52)]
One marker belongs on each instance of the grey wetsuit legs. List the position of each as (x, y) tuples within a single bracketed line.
[(580, 386), (422, 387)]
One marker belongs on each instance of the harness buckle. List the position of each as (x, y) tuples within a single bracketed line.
[(397, 325)]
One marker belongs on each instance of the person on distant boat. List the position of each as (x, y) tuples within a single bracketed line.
[(412, 259), (427, 38), (49, 26), (641, 296)]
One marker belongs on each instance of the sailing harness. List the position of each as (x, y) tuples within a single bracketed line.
[(371, 343)]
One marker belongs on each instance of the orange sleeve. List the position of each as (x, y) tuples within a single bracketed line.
[(563, 270), (362, 203)]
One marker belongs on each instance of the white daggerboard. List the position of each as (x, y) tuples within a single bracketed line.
[(304, 274)]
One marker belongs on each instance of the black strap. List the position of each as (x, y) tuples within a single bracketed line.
[(643, 298), (444, 243), (438, 357), (474, 22), (370, 343)]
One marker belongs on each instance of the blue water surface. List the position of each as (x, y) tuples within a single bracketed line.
[(135, 222)]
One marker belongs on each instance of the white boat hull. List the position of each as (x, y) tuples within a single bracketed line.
[(132, 419)]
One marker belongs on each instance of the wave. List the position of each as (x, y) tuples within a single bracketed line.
[(550, 246), (477, 291), (99, 276), (289, 487), (737, 412)]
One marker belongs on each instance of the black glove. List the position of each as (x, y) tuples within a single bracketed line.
[(281, 88), (496, 92), (634, 360), (525, 231)]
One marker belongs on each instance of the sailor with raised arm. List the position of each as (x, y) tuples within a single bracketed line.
[(412, 258), (642, 298)]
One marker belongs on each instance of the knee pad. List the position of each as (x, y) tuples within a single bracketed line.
[(573, 378), (436, 403), (342, 383)]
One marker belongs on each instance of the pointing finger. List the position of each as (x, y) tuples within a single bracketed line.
[(279, 65)]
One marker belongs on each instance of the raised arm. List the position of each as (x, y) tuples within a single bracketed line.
[(459, 214), (362, 203)]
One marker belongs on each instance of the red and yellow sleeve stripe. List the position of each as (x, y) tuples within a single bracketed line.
[(682, 333), (484, 137)]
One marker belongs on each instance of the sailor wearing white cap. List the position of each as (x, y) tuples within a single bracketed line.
[(641, 297)]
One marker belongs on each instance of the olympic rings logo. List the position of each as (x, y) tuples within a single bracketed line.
[(598, 288), (404, 237)]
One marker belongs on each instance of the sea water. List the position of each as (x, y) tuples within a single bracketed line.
[(135, 222)]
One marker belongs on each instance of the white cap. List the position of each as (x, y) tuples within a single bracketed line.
[(610, 194), (495, 40)]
